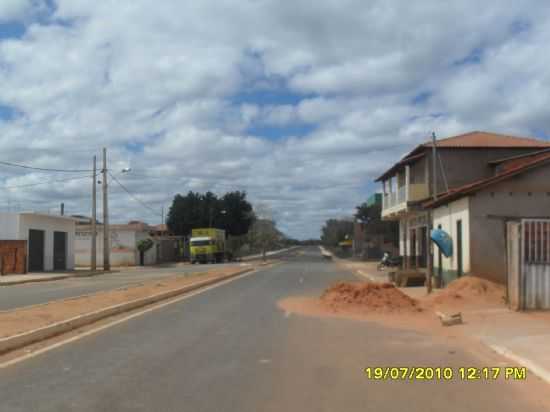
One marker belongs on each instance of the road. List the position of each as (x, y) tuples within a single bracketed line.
[(17, 296), (231, 349)]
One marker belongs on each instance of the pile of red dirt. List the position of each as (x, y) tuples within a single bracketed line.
[(470, 289), (367, 297)]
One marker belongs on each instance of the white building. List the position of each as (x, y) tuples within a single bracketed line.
[(50, 238), (123, 238)]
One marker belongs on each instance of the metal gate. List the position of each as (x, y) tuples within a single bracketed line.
[(36, 250), (59, 250), (528, 252)]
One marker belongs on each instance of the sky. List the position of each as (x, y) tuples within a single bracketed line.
[(301, 104)]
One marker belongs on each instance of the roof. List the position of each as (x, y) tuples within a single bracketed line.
[(405, 160), (476, 139), (486, 140), (41, 214), (517, 157), (511, 169), (131, 226)]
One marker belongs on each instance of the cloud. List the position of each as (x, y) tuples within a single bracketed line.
[(185, 92), (16, 10)]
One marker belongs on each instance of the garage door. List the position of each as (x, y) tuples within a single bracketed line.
[(36, 250), (59, 250)]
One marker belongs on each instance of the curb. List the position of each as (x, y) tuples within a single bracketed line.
[(50, 279), (26, 338), (542, 373), (20, 282)]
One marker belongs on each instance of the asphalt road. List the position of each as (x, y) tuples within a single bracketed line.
[(26, 294), (231, 349)]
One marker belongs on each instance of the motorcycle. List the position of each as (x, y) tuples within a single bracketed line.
[(389, 261)]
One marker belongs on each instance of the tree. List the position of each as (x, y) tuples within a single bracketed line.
[(232, 212), (143, 246), (239, 215), (371, 216), (336, 230), (264, 233)]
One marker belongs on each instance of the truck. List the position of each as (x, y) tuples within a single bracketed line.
[(207, 245)]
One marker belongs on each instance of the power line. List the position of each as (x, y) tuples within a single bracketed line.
[(132, 195), (42, 168), (48, 181)]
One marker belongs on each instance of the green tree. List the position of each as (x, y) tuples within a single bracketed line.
[(232, 212), (143, 246), (371, 216), (336, 230), (238, 217)]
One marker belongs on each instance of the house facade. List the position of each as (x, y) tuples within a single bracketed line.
[(461, 160), (475, 216), (49, 239), (123, 243)]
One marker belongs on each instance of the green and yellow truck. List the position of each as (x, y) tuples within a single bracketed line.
[(207, 245)]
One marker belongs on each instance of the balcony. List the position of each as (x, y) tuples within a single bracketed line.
[(394, 203)]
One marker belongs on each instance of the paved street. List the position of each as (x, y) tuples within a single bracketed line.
[(231, 349), (16, 296)]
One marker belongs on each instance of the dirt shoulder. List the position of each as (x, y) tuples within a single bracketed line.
[(21, 320)]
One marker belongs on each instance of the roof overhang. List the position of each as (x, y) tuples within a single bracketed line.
[(410, 158)]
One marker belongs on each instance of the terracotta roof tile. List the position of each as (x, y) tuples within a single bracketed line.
[(485, 139)]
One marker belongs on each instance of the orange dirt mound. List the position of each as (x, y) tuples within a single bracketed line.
[(470, 288), (366, 296)]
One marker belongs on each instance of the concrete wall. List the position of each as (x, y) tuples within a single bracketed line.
[(464, 166), (447, 216), (123, 247), (9, 226), (526, 195), (49, 224)]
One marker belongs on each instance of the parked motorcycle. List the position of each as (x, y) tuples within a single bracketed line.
[(389, 261)]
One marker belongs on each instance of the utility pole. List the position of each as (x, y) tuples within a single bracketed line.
[(106, 242), (94, 218), (162, 215), (429, 229)]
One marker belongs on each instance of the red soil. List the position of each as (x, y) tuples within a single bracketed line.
[(367, 297), (470, 290)]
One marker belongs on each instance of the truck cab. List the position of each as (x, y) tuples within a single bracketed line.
[(207, 245)]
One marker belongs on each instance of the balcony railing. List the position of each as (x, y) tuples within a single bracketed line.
[(404, 194)]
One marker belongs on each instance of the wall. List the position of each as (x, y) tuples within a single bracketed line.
[(9, 226), (123, 247), (466, 165), (447, 216), (49, 224), (526, 195)]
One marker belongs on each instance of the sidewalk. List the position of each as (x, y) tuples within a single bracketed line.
[(522, 337), (9, 280)]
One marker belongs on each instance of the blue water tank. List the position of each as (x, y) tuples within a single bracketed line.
[(443, 241)]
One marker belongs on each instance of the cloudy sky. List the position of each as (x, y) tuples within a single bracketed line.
[(299, 103)]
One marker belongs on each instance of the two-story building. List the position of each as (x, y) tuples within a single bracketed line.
[(463, 159)]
